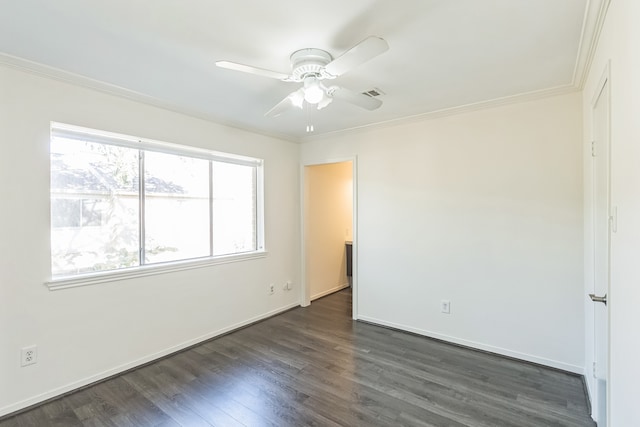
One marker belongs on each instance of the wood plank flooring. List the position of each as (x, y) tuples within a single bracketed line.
[(315, 366)]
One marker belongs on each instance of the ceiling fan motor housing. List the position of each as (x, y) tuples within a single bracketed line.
[(310, 62)]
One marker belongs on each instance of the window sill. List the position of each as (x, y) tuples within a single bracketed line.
[(147, 270)]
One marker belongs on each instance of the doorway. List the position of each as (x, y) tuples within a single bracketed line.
[(328, 229)]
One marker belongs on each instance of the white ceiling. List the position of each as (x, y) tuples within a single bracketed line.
[(443, 53)]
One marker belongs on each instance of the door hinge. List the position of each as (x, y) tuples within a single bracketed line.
[(593, 148)]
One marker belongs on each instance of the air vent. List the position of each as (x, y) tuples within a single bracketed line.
[(373, 92)]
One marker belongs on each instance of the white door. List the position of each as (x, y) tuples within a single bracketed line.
[(602, 243)]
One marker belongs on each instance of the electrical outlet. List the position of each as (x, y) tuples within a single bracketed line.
[(445, 306), (271, 289), (28, 355)]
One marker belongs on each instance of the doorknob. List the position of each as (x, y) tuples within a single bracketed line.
[(595, 298)]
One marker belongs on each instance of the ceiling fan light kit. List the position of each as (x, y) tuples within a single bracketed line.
[(311, 66), (314, 91)]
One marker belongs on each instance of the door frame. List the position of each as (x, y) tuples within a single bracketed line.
[(305, 294)]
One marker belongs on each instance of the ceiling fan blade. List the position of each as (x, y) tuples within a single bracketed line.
[(252, 70), (355, 98), (362, 52), (294, 99)]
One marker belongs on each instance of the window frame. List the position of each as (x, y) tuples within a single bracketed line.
[(145, 145)]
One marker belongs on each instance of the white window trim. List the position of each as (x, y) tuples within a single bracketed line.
[(65, 282), (104, 137), (111, 138)]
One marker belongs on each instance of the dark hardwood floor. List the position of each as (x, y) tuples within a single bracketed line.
[(315, 366)]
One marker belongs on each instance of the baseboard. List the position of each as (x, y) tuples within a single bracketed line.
[(329, 291), (71, 387), (587, 393), (480, 346)]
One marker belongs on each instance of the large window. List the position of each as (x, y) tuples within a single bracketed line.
[(119, 202)]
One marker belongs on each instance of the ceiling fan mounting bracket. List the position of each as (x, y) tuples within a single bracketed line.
[(310, 62)]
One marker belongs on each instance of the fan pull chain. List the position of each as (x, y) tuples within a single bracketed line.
[(308, 109)]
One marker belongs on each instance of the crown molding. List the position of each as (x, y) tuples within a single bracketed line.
[(60, 75), (593, 21)]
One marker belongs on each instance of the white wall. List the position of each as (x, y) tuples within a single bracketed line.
[(328, 224), (483, 209), (86, 333), (619, 45)]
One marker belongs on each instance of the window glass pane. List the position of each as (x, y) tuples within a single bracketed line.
[(176, 207), (65, 212), (94, 207), (93, 212), (190, 207), (234, 208)]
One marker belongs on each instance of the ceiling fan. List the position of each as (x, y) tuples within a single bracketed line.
[(311, 67)]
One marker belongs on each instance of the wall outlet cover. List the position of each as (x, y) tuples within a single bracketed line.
[(28, 355), (445, 306)]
